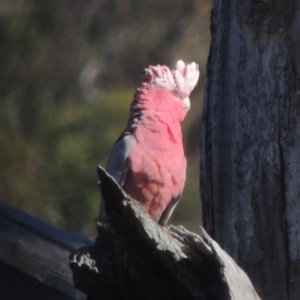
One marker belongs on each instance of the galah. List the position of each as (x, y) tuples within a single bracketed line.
[(148, 159)]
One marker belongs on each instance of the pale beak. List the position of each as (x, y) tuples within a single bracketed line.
[(186, 103)]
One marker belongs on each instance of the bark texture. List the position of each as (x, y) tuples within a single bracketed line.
[(135, 258), (250, 141)]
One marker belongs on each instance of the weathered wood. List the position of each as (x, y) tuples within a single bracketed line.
[(16, 285), (135, 258), (35, 257), (250, 144)]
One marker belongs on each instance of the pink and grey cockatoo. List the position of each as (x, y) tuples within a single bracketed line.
[(148, 159)]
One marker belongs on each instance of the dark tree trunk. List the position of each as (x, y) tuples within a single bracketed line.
[(250, 156)]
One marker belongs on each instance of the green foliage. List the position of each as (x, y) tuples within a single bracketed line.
[(80, 140), (68, 72)]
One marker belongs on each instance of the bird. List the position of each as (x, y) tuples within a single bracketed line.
[(148, 159)]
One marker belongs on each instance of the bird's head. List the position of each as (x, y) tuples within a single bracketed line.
[(180, 81)]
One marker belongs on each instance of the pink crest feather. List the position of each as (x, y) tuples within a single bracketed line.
[(180, 81)]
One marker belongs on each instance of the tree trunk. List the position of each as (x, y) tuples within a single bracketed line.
[(250, 141)]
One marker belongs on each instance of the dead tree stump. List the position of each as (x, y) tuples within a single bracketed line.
[(135, 258)]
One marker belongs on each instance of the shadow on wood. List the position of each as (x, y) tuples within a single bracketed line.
[(135, 258), (34, 258)]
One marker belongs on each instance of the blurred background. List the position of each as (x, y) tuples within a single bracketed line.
[(68, 73)]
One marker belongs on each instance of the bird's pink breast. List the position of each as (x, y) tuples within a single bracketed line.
[(157, 165)]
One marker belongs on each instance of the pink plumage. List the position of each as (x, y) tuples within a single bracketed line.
[(148, 158)]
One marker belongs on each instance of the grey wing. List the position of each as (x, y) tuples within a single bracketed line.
[(117, 165)]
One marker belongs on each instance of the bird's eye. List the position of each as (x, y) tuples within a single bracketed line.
[(177, 93)]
